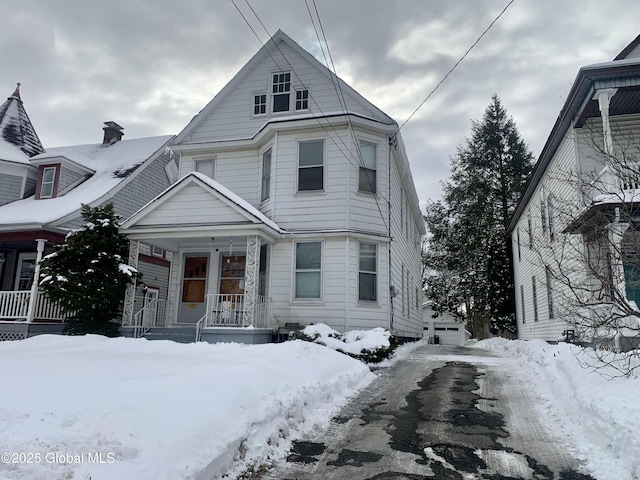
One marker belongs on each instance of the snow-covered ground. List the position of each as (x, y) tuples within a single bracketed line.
[(596, 410), (92, 407)]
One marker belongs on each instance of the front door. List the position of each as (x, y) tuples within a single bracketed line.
[(194, 286)]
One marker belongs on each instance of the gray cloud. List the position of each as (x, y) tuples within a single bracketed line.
[(152, 65)]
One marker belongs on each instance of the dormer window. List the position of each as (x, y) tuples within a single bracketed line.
[(280, 89), (47, 182)]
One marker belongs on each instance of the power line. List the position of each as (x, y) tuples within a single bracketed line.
[(456, 64), (343, 104)]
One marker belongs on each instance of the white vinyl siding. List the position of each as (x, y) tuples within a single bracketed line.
[(232, 118)]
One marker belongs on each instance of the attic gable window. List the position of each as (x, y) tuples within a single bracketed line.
[(47, 182), (260, 104), (280, 89), (302, 99)]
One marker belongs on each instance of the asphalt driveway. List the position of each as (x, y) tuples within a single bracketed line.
[(445, 413)]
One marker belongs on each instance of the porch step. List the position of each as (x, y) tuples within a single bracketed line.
[(182, 334)]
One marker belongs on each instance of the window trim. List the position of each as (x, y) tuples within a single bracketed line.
[(202, 160), (302, 101), (262, 105), (53, 183), (295, 272), (522, 305), (375, 300), (298, 167), (364, 168), (287, 89), (265, 193), (550, 217)]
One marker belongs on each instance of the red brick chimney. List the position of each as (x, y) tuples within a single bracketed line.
[(112, 133)]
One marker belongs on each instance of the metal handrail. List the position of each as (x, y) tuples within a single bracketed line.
[(199, 328)]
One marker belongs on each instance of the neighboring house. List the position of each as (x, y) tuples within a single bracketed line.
[(443, 329), (570, 228), (127, 173), (294, 205)]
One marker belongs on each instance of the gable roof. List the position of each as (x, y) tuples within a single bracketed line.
[(623, 71), (265, 51), (113, 166), (222, 197), (17, 130)]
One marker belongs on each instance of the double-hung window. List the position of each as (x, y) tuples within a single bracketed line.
[(310, 165), (367, 272), (281, 91), (308, 271), (367, 181), (266, 176), (48, 180)]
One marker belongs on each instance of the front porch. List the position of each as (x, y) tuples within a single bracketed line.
[(226, 319)]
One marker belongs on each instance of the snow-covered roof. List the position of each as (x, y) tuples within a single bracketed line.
[(16, 128), (112, 164), (217, 188), (241, 202)]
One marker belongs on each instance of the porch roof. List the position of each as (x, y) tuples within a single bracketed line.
[(194, 210)]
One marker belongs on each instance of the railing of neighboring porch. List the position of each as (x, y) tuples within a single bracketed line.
[(149, 313), (617, 180), (14, 305)]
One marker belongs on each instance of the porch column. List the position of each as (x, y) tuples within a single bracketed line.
[(36, 280), (129, 296), (251, 275), (604, 98), (615, 232)]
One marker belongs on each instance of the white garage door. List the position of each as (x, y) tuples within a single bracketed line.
[(449, 335)]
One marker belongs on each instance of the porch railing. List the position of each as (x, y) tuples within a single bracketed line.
[(14, 305), (615, 181), (229, 310), (149, 313)]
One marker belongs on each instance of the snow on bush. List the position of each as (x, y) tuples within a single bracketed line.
[(370, 346)]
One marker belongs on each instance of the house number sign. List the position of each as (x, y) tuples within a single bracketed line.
[(192, 306)]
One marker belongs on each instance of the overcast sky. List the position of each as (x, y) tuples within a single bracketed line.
[(152, 65)]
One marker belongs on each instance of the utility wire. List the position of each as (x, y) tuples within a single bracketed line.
[(456, 64), (343, 103)]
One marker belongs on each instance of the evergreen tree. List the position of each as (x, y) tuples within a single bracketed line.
[(88, 275), (469, 250)]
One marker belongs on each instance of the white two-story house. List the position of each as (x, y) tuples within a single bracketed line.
[(575, 230), (295, 204)]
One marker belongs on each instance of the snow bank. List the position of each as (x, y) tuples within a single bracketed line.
[(92, 407), (596, 410)]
